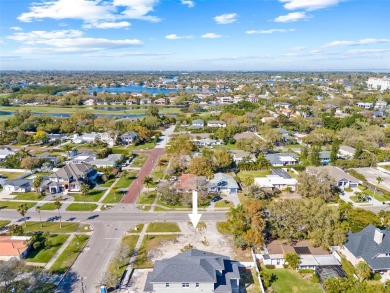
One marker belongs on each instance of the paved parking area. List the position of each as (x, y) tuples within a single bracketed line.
[(371, 174)]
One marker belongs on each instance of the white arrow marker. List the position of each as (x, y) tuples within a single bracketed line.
[(195, 217)]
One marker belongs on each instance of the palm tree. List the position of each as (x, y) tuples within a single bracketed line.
[(37, 183), (38, 210), (84, 191), (379, 180), (22, 210), (58, 205), (67, 148), (147, 181)]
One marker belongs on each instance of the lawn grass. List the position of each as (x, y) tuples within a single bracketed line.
[(244, 174), (223, 228), (228, 147), (94, 195), (160, 202), (11, 175), (139, 160), (147, 198), (67, 257), (33, 226), (48, 207), (289, 281), (376, 195), (162, 227), (121, 150), (113, 197), (224, 204), (119, 264), (108, 183), (125, 181), (26, 196), (354, 198), (145, 146), (43, 254), (14, 204), (139, 228), (4, 223), (80, 207), (148, 244)]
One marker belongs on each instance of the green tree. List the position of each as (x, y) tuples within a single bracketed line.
[(22, 210), (40, 136), (58, 205), (181, 145), (292, 259), (37, 184), (148, 181), (38, 210), (84, 191), (363, 270), (315, 158), (200, 166), (222, 159), (334, 151), (358, 150)]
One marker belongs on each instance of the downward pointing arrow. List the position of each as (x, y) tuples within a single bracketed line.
[(195, 217)]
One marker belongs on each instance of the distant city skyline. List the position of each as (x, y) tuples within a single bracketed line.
[(186, 35)]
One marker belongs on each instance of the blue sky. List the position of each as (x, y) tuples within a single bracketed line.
[(195, 34)]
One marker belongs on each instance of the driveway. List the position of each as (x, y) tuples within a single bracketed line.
[(371, 174)]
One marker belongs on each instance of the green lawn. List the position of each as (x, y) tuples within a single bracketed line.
[(108, 183), (145, 146), (125, 181), (244, 174), (119, 264), (162, 227), (223, 228), (4, 223), (139, 160), (148, 244), (139, 229), (11, 175), (147, 198), (48, 207), (227, 147), (14, 204), (43, 254), (122, 150), (80, 207), (224, 204), (113, 197), (376, 195), (33, 226), (94, 196), (67, 257), (26, 196), (289, 281), (160, 202)]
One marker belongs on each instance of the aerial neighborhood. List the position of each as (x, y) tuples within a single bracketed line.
[(167, 182)]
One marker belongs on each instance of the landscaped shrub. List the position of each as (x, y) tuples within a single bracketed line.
[(348, 189), (285, 266), (376, 277), (348, 268), (270, 267), (315, 278), (305, 271)]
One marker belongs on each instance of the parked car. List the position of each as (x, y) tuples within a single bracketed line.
[(216, 198)]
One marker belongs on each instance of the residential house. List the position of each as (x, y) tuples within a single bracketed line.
[(324, 157), (267, 119), (186, 183), (71, 177), (245, 135), (380, 105), (282, 159), (89, 102), (240, 155), (299, 137), (197, 124), (131, 101), (194, 271), (206, 142), (129, 137), (18, 185), (108, 138), (56, 136), (223, 183), (279, 179), (346, 152), (252, 98), (160, 101), (81, 158), (85, 138), (371, 245), (112, 160), (14, 247), (49, 158), (225, 100), (145, 101), (5, 152), (310, 257), (282, 105), (341, 178), (365, 105), (216, 123)]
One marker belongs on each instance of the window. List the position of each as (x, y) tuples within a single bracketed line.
[(166, 285), (197, 285), (185, 285)]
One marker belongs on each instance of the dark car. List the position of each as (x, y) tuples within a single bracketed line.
[(216, 198)]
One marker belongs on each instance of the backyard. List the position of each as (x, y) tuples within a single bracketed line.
[(47, 249)]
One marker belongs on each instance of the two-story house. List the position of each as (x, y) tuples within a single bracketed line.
[(128, 137)]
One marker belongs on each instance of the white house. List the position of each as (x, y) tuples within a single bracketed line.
[(380, 105), (280, 179), (216, 123), (5, 152), (89, 102), (346, 152), (379, 83), (240, 155), (18, 185), (365, 105)]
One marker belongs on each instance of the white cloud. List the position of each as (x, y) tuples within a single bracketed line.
[(211, 36), (66, 41), (2, 43), (91, 11), (271, 31), (226, 18), (188, 3), (127, 54), (308, 5), (356, 43), (367, 51), (291, 17), (299, 48), (177, 37), (108, 25), (16, 28)]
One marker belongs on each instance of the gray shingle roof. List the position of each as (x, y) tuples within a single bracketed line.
[(362, 245), (221, 177), (72, 170), (19, 182), (274, 159)]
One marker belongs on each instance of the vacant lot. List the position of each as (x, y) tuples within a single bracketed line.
[(45, 252), (12, 175), (162, 227)]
